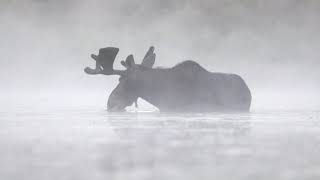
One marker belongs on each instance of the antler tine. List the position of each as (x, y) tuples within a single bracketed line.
[(149, 52), (149, 58)]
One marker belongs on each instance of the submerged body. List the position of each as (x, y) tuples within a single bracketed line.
[(189, 87), (184, 87)]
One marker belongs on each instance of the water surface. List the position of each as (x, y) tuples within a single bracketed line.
[(86, 142)]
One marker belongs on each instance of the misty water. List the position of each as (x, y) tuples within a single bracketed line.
[(44, 140)]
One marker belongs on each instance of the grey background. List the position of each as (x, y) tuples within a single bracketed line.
[(274, 45)]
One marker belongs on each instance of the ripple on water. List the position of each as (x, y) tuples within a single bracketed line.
[(86, 143)]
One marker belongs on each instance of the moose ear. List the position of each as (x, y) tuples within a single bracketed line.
[(130, 61), (149, 58), (124, 64)]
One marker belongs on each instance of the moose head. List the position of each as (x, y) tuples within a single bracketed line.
[(125, 94)]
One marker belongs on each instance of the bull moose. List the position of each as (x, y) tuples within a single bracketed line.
[(185, 87)]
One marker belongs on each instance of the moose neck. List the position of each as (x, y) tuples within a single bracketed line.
[(152, 86)]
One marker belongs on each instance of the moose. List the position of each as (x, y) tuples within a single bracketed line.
[(186, 87)]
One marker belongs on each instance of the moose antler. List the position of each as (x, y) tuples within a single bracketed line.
[(104, 62), (149, 58)]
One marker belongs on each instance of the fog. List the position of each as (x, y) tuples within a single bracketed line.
[(274, 45), (53, 118)]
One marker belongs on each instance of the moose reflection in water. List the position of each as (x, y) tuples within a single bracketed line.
[(184, 87)]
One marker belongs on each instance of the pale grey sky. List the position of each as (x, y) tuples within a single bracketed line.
[(273, 44)]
